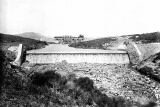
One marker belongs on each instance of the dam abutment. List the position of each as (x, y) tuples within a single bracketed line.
[(19, 59)]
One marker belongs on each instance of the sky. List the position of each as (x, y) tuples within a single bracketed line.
[(91, 18)]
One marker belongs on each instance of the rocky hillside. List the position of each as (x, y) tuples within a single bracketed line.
[(93, 44), (146, 37), (104, 43), (28, 43), (151, 67), (7, 41)]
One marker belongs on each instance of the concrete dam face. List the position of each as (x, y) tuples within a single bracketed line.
[(108, 58)]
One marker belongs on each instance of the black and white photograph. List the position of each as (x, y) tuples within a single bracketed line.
[(79, 53)]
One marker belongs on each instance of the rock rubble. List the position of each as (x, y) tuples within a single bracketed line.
[(113, 80)]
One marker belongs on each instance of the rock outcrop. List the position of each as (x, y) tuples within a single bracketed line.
[(151, 67)]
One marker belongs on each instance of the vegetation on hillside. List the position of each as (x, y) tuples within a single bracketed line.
[(28, 43), (93, 44), (146, 37), (99, 43)]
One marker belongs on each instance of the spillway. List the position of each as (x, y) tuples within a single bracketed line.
[(57, 53), (109, 58)]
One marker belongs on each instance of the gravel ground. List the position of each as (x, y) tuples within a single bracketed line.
[(113, 80)]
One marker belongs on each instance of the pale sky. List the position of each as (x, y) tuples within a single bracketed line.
[(92, 18)]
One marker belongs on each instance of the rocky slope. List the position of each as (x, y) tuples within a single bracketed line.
[(151, 67), (112, 80), (29, 44), (109, 42)]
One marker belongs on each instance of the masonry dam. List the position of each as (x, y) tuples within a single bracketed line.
[(75, 56), (109, 58)]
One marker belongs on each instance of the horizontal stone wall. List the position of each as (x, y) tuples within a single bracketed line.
[(76, 58)]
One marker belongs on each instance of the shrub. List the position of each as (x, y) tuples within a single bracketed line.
[(38, 79), (45, 78), (85, 83), (34, 89), (150, 73), (156, 58), (52, 75), (102, 100), (120, 102), (146, 70), (63, 81), (150, 104), (2, 59), (71, 77), (70, 85)]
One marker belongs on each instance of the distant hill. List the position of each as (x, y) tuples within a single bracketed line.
[(31, 35), (38, 36)]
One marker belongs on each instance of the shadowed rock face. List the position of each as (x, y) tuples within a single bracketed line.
[(151, 67), (141, 52)]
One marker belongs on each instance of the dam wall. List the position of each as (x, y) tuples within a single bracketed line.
[(73, 56), (108, 58)]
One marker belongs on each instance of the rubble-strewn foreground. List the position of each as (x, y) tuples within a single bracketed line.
[(112, 80)]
